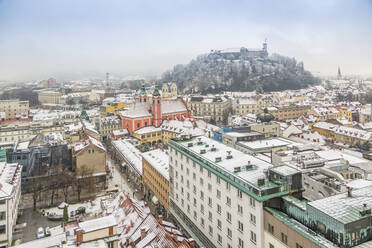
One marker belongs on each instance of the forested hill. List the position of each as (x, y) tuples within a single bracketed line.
[(217, 72)]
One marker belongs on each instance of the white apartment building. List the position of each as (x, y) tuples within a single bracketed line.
[(10, 195), (217, 193), (49, 97), (12, 109)]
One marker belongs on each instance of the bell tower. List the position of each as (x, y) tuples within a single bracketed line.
[(156, 107)]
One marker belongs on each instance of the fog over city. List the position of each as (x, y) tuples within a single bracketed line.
[(80, 39)]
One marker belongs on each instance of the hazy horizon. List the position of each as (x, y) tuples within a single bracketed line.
[(87, 38)]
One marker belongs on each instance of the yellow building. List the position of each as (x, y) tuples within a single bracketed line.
[(288, 112), (12, 109), (49, 97), (246, 106), (169, 90), (155, 175), (112, 108), (148, 135), (345, 113), (217, 108)]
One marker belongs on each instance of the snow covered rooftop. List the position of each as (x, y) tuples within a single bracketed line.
[(217, 153), (10, 173), (97, 224), (159, 160), (149, 129), (266, 143), (130, 153)]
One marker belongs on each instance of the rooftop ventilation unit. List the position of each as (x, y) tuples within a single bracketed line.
[(229, 156), (190, 145), (202, 151), (218, 159), (237, 169), (213, 149)]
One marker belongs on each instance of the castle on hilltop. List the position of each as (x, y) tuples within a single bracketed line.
[(243, 53)]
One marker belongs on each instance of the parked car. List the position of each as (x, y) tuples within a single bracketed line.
[(40, 233), (47, 231)]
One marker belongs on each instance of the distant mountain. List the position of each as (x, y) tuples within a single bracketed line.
[(240, 70)]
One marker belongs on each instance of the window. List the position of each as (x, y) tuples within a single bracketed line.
[(202, 222), (201, 195), (194, 202), (209, 174), (240, 194), (219, 239), (218, 209), (253, 237), (271, 229), (218, 194), (218, 180), (201, 169), (210, 216), (298, 246), (202, 208), (194, 189), (228, 217), (284, 238), (219, 224), (2, 215), (187, 171), (252, 202), (253, 218), (210, 201), (182, 202), (2, 229), (229, 233), (188, 196), (201, 181), (209, 187), (228, 201), (210, 230), (240, 209), (194, 176), (241, 243), (228, 186), (240, 226)]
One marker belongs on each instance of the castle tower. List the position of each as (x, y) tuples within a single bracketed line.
[(339, 76), (143, 94), (156, 108)]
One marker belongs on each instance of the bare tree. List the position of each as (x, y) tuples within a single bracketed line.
[(83, 180), (36, 186), (65, 179)]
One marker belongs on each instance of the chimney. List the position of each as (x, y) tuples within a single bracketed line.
[(349, 194), (160, 220), (79, 236), (143, 233)]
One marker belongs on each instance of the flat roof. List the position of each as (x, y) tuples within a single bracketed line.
[(238, 159), (159, 160), (285, 170), (266, 143), (343, 208)]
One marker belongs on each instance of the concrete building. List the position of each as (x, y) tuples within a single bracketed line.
[(216, 108), (246, 106), (10, 196), (89, 158), (49, 97), (155, 176), (13, 109), (232, 138), (218, 193), (107, 125), (169, 90)]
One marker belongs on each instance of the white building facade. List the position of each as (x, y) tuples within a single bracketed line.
[(217, 193), (10, 195)]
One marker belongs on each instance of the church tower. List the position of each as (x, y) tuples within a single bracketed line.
[(142, 95), (339, 76), (156, 108)]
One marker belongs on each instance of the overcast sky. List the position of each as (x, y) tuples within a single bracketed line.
[(75, 39)]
